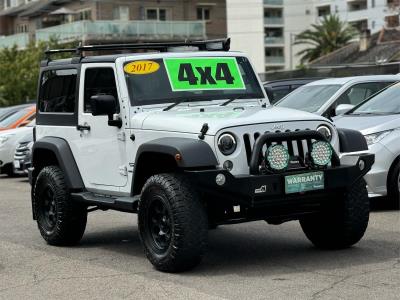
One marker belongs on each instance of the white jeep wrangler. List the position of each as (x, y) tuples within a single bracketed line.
[(184, 136)]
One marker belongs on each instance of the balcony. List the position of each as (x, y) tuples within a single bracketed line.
[(269, 40), (273, 2), (21, 40), (274, 60), (274, 21), (123, 31)]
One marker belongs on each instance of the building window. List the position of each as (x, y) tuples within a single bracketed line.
[(83, 15), (203, 13), (156, 14), (121, 13), (21, 28), (324, 10)]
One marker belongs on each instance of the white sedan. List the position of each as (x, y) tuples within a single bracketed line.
[(9, 140)]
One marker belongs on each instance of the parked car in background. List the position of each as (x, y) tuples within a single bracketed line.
[(19, 118), (23, 154), (277, 89), (8, 143), (378, 119), (6, 112), (334, 96)]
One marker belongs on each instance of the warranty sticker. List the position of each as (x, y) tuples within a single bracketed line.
[(204, 73), (141, 67)]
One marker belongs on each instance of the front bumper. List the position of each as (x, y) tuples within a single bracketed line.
[(245, 190)]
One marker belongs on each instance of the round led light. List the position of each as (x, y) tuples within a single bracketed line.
[(325, 131), (227, 143), (220, 179), (277, 157), (321, 153)]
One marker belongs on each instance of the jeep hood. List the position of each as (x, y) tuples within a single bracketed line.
[(191, 120)]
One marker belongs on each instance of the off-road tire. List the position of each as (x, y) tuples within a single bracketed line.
[(393, 195), (66, 223), (342, 224), (186, 217)]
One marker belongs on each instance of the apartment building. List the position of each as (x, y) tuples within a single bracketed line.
[(284, 19), (102, 21)]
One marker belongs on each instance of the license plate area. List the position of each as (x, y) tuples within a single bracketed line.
[(304, 182)]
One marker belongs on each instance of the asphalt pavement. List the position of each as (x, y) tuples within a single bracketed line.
[(246, 261)]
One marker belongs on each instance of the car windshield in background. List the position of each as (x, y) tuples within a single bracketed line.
[(309, 98), (14, 117), (385, 103), (191, 79)]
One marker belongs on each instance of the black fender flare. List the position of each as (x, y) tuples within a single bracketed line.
[(351, 140), (193, 154), (66, 161)]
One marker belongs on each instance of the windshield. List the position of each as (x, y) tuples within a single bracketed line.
[(14, 117), (385, 103), (309, 97), (170, 80)]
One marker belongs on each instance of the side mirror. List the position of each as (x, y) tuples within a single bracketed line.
[(343, 108), (105, 105)]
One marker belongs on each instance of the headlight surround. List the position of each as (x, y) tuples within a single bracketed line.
[(321, 153), (325, 131), (227, 143), (376, 137), (277, 157)]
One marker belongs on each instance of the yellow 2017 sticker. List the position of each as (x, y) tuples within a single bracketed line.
[(141, 67)]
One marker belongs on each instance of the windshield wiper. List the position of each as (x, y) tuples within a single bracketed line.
[(233, 99), (175, 104)]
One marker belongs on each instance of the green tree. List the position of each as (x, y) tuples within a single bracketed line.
[(19, 71), (324, 38)]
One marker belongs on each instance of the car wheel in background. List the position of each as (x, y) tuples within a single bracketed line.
[(394, 187), (341, 224)]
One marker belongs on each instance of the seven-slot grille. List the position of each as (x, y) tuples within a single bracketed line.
[(21, 151), (298, 149)]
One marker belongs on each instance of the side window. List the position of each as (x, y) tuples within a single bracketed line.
[(58, 91), (359, 92), (99, 81)]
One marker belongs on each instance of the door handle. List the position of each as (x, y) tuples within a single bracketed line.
[(83, 127)]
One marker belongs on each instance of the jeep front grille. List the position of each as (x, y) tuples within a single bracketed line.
[(298, 148)]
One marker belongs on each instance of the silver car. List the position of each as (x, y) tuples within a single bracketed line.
[(334, 96), (378, 119)]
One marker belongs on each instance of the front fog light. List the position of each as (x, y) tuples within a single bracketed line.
[(220, 179), (277, 157), (321, 153)]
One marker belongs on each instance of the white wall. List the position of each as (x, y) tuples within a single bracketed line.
[(245, 20)]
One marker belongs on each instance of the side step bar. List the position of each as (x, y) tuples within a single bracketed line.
[(125, 204)]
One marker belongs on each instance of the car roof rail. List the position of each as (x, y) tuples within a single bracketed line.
[(205, 45)]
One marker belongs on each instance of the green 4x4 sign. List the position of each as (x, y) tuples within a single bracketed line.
[(204, 73)]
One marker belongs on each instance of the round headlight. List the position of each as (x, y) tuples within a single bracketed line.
[(227, 143), (277, 157), (321, 153), (325, 131)]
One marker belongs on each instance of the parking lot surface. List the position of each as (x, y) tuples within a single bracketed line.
[(248, 261)]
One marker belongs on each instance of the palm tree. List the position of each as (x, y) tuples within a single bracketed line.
[(324, 38)]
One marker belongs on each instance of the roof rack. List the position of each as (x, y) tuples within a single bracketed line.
[(206, 45)]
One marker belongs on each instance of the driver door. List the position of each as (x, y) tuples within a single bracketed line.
[(102, 148)]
